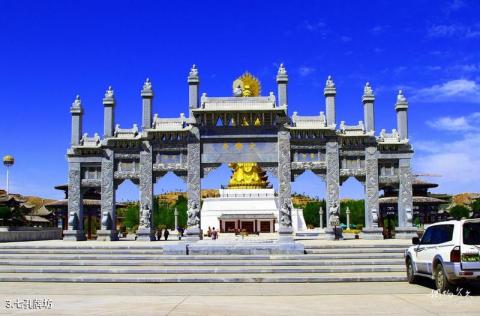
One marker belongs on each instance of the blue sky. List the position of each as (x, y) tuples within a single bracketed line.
[(52, 50)]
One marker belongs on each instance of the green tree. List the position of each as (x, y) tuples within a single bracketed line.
[(131, 215), (311, 213), (5, 214), (357, 212), (476, 205), (459, 212)]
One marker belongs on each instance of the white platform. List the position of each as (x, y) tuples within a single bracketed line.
[(245, 202)]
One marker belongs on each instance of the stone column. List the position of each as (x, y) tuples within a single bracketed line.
[(77, 114), (333, 186), (368, 112), (75, 204), (282, 82), (108, 230), (402, 119), (284, 193), (372, 208), (193, 89), (330, 91), (145, 229), (109, 113), (147, 98), (405, 202), (193, 232)]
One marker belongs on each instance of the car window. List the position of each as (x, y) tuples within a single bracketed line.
[(437, 234), (427, 236), (471, 233), (441, 234)]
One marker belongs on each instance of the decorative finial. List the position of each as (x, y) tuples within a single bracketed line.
[(147, 86), (77, 102), (193, 71), (330, 83), (109, 92), (282, 70), (368, 89), (400, 97)]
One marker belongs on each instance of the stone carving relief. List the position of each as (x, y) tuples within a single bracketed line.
[(146, 182), (286, 215), (106, 220), (333, 214), (284, 165), (405, 194), (73, 221), (371, 187), (145, 217), (333, 174), (107, 187), (193, 213)]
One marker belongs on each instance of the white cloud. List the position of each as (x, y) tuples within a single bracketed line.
[(454, 30), (305, 70), (345, 39), (457, 161), (453, 124), (455, 90)]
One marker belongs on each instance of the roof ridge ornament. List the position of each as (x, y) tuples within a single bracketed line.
[(109, 93), (147, 86), (329, 83), (401, 97), (77, 103), (282, 70), (367, 90), (193, 71)]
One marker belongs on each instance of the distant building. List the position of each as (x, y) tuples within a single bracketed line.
[(426, 208)]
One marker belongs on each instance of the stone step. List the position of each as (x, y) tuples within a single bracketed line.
[(359, 250), (202, 278), (355, 246), (296, 262), (154, 251), (204, 270), (344, 256)]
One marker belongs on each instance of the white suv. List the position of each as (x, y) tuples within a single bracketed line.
[(448, 253)]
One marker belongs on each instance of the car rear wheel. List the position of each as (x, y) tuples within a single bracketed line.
[(441, 282), (411, 277)]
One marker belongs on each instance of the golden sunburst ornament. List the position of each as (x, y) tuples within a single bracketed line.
[(247, 85)]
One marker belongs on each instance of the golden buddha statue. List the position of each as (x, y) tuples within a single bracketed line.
[(247, 175)]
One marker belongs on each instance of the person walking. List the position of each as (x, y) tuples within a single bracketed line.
[(166, 234), (214, 234)]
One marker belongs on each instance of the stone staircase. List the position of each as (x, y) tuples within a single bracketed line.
[(136, 263)]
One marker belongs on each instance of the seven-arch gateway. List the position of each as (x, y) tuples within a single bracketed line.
[(243, 128)]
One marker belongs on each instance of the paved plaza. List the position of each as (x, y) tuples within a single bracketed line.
[(240, 299)]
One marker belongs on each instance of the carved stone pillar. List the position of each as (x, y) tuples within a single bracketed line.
[(193, 186), (108, 212), (333, 187), (145, 229), (75, 204), (284, 182), (372, 208), (405, 201)]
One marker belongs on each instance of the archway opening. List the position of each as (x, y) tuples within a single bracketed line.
[(352, 200), (127, 198), (308, 194)]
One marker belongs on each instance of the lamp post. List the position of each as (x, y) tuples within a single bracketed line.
[(348, 217), (320, 212), (8, 161)]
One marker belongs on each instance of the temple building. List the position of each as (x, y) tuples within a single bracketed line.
[(254, 133), (91, 207), (426, 209)]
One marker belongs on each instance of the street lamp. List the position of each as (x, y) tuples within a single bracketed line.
[(8, 161)]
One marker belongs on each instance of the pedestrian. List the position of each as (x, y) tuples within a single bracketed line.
[(209, 232), (166, 234), (214, 234)]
